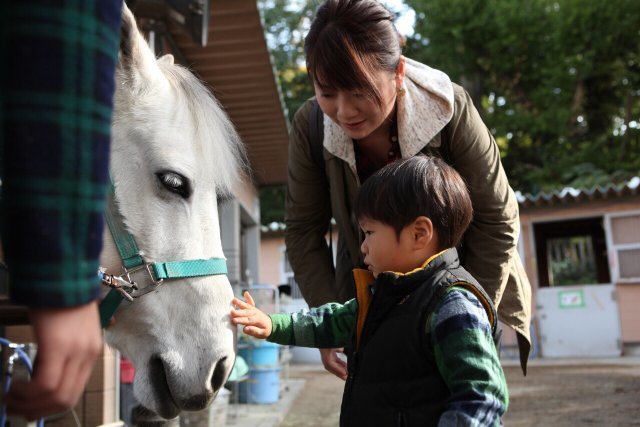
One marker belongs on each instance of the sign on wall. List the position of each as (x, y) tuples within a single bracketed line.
[(571, 299)]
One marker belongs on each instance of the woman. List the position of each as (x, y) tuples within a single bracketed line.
[(379, 106)]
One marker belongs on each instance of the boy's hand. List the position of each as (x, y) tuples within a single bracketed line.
[(256, 323)]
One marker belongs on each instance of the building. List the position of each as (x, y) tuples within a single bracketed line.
[(581, 250)]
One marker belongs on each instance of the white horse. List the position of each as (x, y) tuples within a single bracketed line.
[(174, 153)]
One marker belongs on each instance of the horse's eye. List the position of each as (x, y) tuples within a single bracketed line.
[(175, 183)]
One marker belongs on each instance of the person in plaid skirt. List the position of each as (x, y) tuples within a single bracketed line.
[(57, 76)]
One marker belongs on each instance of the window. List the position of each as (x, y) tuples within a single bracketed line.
[(625, 244), (571, 261), (287, 276), (286, 272), (572, 252)]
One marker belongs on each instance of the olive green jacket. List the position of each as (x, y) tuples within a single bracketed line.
[(454, 131)]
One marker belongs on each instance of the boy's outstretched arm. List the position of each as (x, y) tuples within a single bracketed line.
[(256, 322), (468, 362), (327, 326)]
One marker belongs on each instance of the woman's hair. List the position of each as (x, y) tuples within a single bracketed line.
[(348, 41), (419, 186)]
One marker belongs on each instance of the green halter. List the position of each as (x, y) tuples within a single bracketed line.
[(123, 287)]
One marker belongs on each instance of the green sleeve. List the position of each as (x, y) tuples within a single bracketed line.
[(327, 326), (56, 97), (281, 329)]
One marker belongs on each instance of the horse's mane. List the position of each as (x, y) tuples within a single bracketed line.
[(225, 150)]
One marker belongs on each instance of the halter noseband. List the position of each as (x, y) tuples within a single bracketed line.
[(133, 264)]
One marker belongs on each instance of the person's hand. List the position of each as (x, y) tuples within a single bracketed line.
[(333, 363), (69, 340), (256, 323)]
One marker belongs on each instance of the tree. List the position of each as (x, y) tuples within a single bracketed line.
[(557, 82), (286, 23)]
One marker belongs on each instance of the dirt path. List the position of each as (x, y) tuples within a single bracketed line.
[(579, 394)]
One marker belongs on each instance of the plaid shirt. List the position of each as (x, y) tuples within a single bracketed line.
[(461, 340), (56, 98)]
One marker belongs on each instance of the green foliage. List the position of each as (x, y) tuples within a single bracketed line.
[(272, 204), (571, 261), (557, 82), (567, 273), (286, 23)]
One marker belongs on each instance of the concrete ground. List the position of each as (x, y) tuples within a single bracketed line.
[(267, 415)]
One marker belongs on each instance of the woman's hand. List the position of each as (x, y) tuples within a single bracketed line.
[(256, 323), (333, 363)]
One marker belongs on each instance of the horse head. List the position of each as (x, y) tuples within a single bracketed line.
[(174, 154)]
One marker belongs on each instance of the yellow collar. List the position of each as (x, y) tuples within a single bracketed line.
[(424, 264)]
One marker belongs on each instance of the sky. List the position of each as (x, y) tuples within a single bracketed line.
[(405, 20), (407, 17)]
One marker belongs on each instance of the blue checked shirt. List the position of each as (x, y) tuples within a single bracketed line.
[(56, 97)]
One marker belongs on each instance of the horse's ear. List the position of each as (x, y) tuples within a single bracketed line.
[(168, 58), (136, 59)]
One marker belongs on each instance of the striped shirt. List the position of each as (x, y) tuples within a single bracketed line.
[(56, 97), (461, 341)]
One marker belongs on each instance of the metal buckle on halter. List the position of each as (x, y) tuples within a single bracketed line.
[(142, 290), (124, 286)]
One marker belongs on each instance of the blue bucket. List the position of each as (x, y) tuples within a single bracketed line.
[(262, 386), (260, 353)]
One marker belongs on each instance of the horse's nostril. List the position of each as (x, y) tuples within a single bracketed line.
[(219, 374), (158, 377)]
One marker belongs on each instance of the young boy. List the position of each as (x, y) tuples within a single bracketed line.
[(419, 335)]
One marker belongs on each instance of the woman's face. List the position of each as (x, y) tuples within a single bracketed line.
[(357, 114)]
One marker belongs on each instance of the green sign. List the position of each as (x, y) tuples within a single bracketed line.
[(571, 299)]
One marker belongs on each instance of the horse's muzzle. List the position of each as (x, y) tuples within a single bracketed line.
[(169, 390)]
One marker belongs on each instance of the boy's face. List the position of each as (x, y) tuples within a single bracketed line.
[(384, 251)]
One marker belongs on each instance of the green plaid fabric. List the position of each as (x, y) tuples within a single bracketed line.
[(56, 96), (468, 361)]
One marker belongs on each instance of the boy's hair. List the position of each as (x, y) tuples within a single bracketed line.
[(419, 186), (348, 41)]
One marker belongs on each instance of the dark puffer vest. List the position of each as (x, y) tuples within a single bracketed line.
[(393, 379)]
